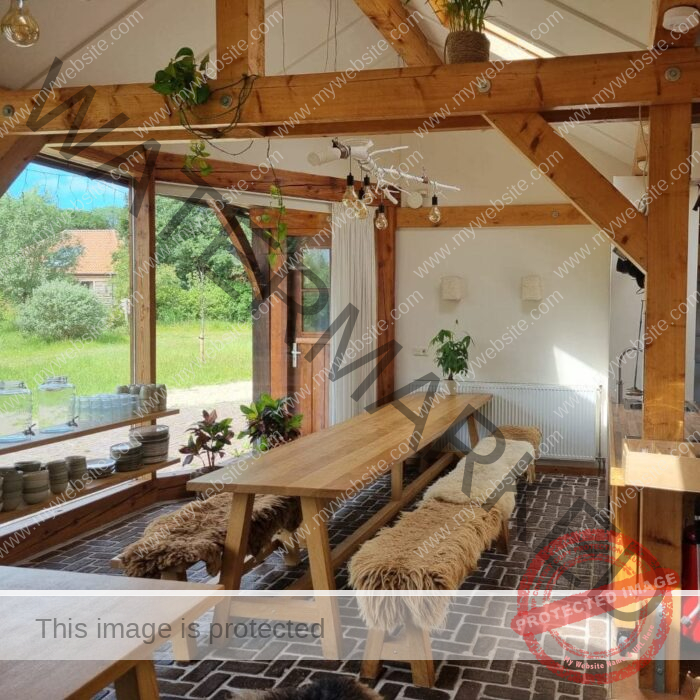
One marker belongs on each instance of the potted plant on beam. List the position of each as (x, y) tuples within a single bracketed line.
[(467, 42), (451, 355)]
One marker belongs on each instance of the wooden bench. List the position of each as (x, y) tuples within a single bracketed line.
[(462, 526), (526, 433)]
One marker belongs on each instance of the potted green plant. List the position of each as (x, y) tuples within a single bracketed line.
[(451, 355), (270, 422), (466, 42), (208, 439)]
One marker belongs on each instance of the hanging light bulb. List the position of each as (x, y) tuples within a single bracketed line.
[(350, 196), (361, 210), (381, 222), (435, 213), (18, 25), (367, 197)]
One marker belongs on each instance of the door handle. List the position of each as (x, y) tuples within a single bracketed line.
[(295, 354)]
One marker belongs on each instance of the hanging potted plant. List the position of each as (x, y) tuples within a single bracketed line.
[(466, 42), (451, 355)]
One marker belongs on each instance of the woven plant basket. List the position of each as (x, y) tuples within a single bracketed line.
[(467, 47)]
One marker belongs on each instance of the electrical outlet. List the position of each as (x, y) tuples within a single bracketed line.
[(420, 352)]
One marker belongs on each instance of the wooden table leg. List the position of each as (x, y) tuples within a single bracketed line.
[(235, 550), (396, 481), (473, 431), (322, 575), (138, 683)]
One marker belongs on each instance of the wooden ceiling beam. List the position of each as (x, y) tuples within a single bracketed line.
[(15, 154), (243, 177), (299, 222), (228, 219), (486, 216), (402, 93), (392, 20), (240, 45), (397, 126), (589, 191), (127, 162), (674, 39), (236, 177)]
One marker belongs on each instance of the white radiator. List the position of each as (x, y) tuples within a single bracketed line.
[(568, 416)]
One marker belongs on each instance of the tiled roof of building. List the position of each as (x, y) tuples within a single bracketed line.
[(98, 248)]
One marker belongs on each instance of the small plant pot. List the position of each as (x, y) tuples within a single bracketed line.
[(467, 47), (451, 386)]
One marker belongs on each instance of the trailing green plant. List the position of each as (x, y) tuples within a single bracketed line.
[(184, 84), (208, 439), (451, 352), (196, 160), (467, 15), (276, 234), (270, 422)]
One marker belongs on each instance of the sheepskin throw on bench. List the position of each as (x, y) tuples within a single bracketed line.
[(197, 532)]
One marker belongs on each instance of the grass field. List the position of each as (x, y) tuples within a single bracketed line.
[(103, 364)]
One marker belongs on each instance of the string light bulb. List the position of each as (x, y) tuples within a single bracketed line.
[(435, 213), (350, 196), (381, 222), (19, 26), (367, 197)]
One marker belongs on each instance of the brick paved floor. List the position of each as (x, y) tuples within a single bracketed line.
[(539, 508)]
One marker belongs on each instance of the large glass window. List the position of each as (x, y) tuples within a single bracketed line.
[(64, 288), (203, 304)]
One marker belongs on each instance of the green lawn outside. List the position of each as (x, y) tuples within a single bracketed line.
[(103, 364)]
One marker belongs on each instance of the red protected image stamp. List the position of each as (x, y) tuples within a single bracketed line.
[(640, 599)]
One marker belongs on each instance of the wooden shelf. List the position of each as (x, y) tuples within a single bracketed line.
[(42, 439), (662, 465), (94, 486)]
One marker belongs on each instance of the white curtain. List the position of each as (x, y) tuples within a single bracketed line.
[(353, 281)]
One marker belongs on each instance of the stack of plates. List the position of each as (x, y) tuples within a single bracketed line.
[(101, 468), (128, 456), (155, 440)]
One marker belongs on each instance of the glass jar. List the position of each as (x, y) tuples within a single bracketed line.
[(56, 406), (15, 412)]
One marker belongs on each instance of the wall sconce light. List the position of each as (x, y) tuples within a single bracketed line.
[(452, 289), (532, 288)]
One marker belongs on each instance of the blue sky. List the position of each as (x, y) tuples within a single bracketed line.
[(69, 191)]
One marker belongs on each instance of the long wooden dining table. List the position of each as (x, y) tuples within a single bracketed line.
[(330, 466)]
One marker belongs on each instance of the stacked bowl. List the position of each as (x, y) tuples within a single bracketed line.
[(35, 487), (11, 489), (77, 470), (58, 475), (155, 440), (27, 466), (128, 456)]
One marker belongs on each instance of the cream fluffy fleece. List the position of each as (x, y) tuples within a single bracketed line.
[(435, 547), (488, 480)]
